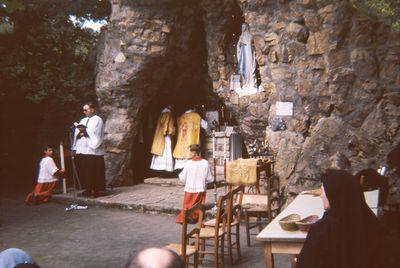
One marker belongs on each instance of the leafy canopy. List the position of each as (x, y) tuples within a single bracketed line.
[(387, 11), (45, 57)]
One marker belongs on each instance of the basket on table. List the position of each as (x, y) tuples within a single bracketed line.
[(305, 224), (288, 223)]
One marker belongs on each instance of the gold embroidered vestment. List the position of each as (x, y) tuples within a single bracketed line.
[(165, 126), (188, 133)]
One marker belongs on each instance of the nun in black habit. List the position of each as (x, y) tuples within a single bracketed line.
[(348, 234)]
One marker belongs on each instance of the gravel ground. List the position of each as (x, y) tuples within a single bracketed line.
[(97, 237)]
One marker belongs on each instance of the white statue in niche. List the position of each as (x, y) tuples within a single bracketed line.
[(246, 62)]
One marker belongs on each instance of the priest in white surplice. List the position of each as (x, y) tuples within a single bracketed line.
[(161, 147), (89, 157)]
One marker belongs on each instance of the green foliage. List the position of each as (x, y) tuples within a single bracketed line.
[(10, 6), (5, 26), (46, 72), (44, 57), (382, 7), (387, 11)]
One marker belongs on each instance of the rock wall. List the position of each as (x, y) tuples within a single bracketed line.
[(340, 68), (341, 71), (149, 48)]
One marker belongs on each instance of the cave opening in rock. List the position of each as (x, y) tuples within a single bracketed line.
[(181, 77), (318, 57)]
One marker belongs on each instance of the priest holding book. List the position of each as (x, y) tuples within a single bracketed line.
[(88, 139)]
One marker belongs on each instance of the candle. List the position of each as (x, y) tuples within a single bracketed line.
[(222, 113), (64, 183), (62, 156)]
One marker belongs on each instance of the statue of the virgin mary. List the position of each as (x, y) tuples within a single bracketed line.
[(246, 60)]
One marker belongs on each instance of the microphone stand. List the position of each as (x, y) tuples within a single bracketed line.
[(75, 177)]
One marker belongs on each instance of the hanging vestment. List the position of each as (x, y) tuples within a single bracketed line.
[(161, 147), (188, 133)]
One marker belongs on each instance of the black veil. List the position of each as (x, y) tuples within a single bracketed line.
[(348, 235)]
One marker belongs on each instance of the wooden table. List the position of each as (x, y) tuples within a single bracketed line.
[(278, 241)]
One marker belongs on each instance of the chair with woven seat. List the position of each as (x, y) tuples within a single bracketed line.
[(255, 210), (216, 233), (260, 209), (185, 249), (233, 221)]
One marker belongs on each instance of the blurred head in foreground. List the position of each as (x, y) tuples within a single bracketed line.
[(155, 258)]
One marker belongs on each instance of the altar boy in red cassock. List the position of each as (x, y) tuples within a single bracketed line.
[(47, 178), (195, 174)]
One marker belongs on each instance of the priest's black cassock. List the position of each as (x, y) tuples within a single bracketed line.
[(89, 157)]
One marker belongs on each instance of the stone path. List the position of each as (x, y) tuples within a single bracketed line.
[(161, 196)]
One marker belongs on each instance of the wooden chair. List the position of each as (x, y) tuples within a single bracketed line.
[(233, 221), (216, 233), (255, 209), (264, 171), (262, 207), (184, 249)]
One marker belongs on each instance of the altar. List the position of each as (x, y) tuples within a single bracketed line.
[(223, 146)]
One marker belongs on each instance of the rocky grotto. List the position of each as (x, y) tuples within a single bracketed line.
[(339, 68)]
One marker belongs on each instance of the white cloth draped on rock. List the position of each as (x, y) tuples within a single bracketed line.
[(246, 59)]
